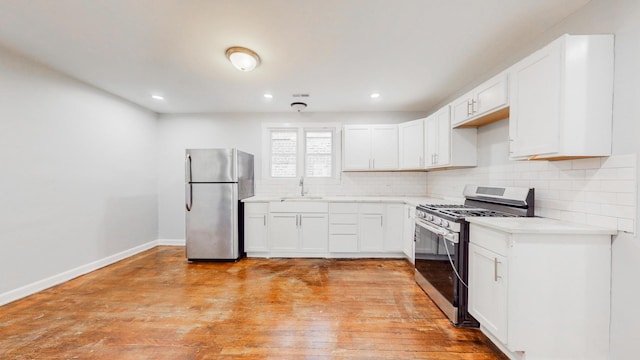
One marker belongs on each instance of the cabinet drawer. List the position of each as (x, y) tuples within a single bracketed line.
[(343, 243), (489, 239), (343, 229), (343, 208), (256, 207), (343, 219), (372, 208)]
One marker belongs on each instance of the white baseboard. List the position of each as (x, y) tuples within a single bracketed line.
[(172, 242), (40, 285)]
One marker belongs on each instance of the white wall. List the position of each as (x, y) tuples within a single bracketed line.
[(619, 17), (243, 131), (78, 178)]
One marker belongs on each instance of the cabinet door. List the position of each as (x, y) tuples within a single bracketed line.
[(409, 232), (314, 232), (357, 147), (384, 146), (443, 142), (412, 144), (371, 232), (393, 239), (488, 290), (461, 109), (283, 231), (430, 140), (491, 95), (255, 232), (535, 103)]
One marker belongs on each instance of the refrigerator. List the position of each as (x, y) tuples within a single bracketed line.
[(216, 180)]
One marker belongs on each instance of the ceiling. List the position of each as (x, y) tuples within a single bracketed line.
[(415, 53)]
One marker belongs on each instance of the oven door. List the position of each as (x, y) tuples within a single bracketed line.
[(436, 262)]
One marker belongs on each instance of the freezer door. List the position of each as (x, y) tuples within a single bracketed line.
[(210, 165), (212, 222)]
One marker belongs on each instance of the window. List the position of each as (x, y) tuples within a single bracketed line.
[(318, 153), (284, 157), (309, 150)]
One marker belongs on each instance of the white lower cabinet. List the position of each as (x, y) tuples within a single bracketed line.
[(371, 227), (489, 303), (408, 234), (298, 228), (321, 229), (255, 227), (343, 227), (543, 293), (394, 229)]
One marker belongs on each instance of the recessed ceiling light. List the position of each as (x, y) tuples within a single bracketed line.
[(158, 97), (268, 96), (242, 58), (375, 95)]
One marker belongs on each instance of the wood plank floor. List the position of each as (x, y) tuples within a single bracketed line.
[(156, 305)]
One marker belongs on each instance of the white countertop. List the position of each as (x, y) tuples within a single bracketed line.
[(538, 225), (409, 200)]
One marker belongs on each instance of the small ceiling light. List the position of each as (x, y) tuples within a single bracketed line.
[(268, 96), (158, 97), (298, 106), (375, 95), (242, 58)]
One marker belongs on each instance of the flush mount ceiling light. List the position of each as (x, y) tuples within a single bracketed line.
[(298, 106), (375, 95), (242, 58), (157, 97)]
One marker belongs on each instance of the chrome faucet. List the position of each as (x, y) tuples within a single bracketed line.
[(301, 184)]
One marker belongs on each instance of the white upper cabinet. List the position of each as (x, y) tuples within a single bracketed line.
[(485, 104), (370, 147), (412, 144), (561, 100), (447, 147)]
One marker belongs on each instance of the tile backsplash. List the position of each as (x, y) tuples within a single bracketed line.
[(353, 184), (595, 191)]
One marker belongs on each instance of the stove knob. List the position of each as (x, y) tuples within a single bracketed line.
[(444, 223), (430, 217)]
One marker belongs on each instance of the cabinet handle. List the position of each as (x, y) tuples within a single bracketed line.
[(469, 107), (373, 161), (495, 269), (381, 225), (300, 220), (473, 106), (264, 219)]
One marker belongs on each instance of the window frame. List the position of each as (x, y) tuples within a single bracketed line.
[(302, 128)]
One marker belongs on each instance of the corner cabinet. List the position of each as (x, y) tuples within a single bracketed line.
[(447, 147), (485, 104), (561, 100), (370, 147), (542, 290), (411, 144)]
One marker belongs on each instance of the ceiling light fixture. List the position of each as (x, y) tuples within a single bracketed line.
[(242, 58), (158, 97), (298, 106), (268, 96), (375, 95)]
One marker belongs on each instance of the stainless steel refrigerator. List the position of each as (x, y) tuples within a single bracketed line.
[(216, 181)]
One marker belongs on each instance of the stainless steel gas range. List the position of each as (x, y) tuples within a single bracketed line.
[(442, 243)]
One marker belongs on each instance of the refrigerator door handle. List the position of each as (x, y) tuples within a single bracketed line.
[(189, 204), (187, 161)]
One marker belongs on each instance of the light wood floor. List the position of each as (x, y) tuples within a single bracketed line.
[(156, 305)]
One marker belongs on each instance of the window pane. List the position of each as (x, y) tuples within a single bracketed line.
[(284, 153), (318, 153), (318, 166)]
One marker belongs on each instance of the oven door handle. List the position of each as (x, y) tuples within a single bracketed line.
[(449, 235)]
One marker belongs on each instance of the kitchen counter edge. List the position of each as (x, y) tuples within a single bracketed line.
[(538, 225)]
